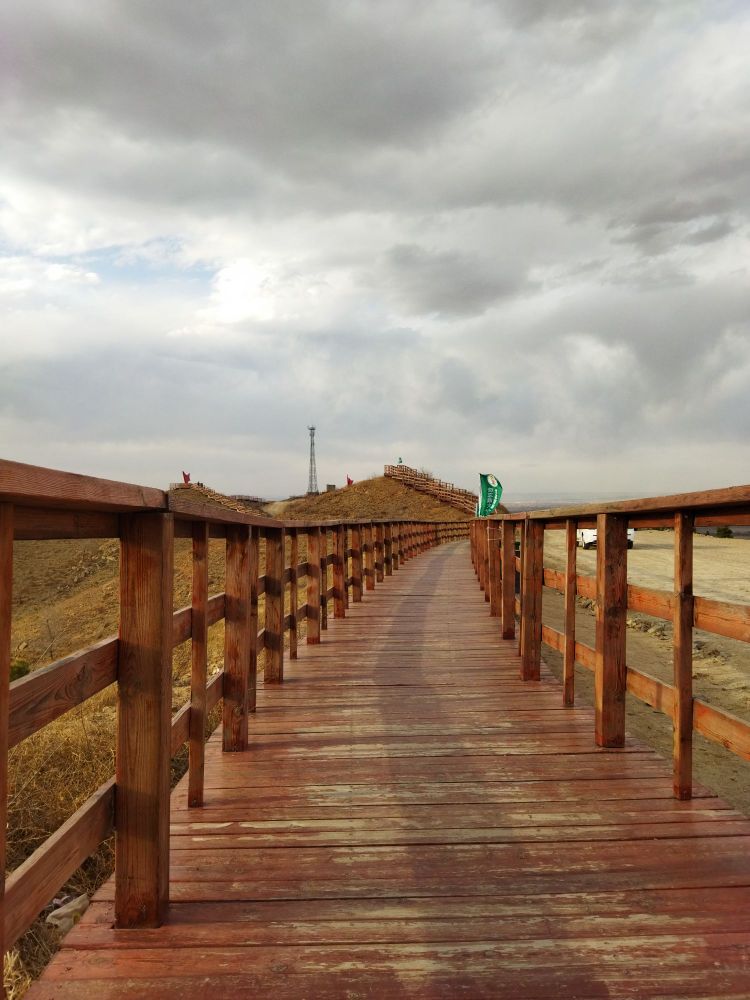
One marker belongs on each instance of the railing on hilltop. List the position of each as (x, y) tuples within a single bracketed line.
[(40, 503), (446, 492), (493, 544)]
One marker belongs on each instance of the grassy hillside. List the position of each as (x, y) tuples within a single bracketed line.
[(378, 497)]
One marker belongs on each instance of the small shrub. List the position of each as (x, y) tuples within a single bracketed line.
[(724, 532), (19, 668)]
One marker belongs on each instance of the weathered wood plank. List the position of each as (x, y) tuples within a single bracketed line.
[(199, 664), (143, 730), (610, 673), (6, 625), (683, 656)]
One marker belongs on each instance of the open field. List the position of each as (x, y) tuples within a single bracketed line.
[(721, 667)]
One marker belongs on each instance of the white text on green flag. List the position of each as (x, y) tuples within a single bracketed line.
[(490, 491)]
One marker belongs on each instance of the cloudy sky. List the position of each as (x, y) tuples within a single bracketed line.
[(496, 235)]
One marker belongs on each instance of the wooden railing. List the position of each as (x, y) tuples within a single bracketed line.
[(423, 482), (43, 504), (513, 584)]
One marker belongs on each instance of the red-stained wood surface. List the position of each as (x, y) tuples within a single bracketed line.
[(144, 702), (274, 594), (199, 664), (293, 590), (411, 820), (610, 672), (683, 655), (313, 586), (6, 604), (236, 637), (569, 646)]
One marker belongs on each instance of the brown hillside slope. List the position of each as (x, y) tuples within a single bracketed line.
[(378, 497)]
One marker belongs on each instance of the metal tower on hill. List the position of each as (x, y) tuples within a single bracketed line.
[(312, 486)]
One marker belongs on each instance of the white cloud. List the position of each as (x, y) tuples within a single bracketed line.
[(475, 233)]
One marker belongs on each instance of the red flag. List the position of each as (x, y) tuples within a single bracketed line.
[(186, 477), (349, 481)]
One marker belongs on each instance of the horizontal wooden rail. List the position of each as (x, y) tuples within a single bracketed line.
[(612, 598)]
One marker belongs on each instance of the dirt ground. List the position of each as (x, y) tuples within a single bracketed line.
[(721, 667)]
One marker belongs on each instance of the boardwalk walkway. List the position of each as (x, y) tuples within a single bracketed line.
[(414, 821)]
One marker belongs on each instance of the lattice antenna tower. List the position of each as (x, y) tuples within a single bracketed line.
[(312, 486)]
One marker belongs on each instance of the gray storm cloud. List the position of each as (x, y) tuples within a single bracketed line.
[(483, 233)]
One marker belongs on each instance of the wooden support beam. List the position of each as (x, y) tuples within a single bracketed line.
[(486, 546), (388, 549), (236, 638), (379, 552), (144, 706), (293, 590), (682, 647), (253, 572), (522, 557), (274, 630), (569, 627), (313, 586), (533, 580), (324, 579), (6, 606), (369, 549), (347, 562), (199, 664), (509, 580), (610, 671), (356, 532), (493, 557), (339, 571), (396, 544)]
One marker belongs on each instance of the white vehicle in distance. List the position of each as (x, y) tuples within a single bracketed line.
[(586, 537)]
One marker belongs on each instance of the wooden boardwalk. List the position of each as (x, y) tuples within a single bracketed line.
[(412, 820)]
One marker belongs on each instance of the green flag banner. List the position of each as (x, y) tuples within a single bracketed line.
[(490, 491)]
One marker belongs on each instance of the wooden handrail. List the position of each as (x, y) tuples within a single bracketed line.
[(40, 503), (613, 598)]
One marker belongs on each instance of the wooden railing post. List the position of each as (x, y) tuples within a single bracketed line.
[(324, 579), (313, 586), (569, 627), (345, 555), (379, 552), (369, 558), (339, 571), (493, 555), (236, 638), (682, 646), (253, 571), (610, 672), (388, 549), (396, 544), (531, 609), (509, 580), (199, 667), (274, 671), (519, 578), (144, 706), (293, 590), (6, 609), (356, 563)]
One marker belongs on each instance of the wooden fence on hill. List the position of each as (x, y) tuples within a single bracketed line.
[(37, 503), (508, 555), (425, 483)]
